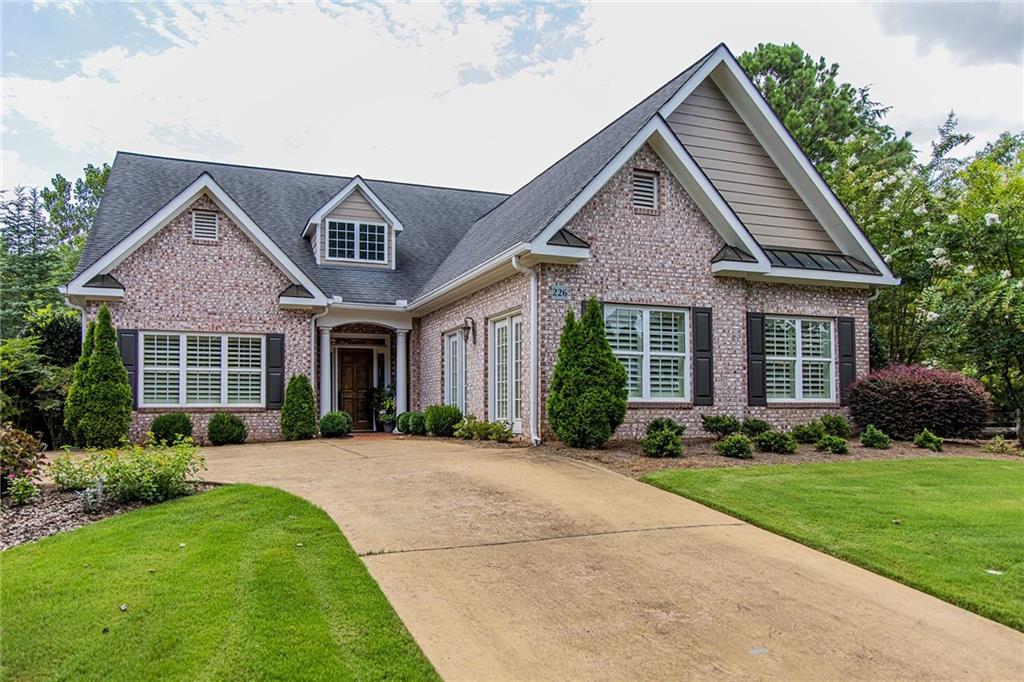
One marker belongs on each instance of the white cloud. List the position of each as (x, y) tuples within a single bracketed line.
[(406, 93), (15, 171)]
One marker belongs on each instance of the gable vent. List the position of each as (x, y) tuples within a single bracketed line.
[(645, 190), (204, 225)]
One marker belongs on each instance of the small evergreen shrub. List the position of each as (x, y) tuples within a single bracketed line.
[(298, 414), (226, 429), (336, 424), (171, 427), (753, 427), (720, 425), (663, 442), (928, 440), (735, 445), (402, 423), (810, 432), (665, 424), (835, 425), (873, 437), (1001, 446), (833, 444), (417, 424), (74, 404), (902, 401), (588, 395), (776, 441), (107, 404), (441, 420)]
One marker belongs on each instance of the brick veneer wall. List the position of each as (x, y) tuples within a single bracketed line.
[(664, 258), (426, 353), (173, 283)]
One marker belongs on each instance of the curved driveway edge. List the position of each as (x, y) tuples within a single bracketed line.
[(507, 564)]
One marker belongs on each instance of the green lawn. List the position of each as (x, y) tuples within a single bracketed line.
[(266, 587), (935, 524)]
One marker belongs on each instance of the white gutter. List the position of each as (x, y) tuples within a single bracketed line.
[(80, 309), (534, 351)]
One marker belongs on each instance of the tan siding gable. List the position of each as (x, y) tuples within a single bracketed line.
[(357, 206), (744, 174)]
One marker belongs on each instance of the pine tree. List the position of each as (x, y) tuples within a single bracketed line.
[(298, 414), (588, 394), (28, 259), (77, 391), (107, 404)]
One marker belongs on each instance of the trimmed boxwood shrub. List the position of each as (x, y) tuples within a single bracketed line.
[(587, 401), (335, 424), (298, 414), (442, 420), (417, 424), (720, 425), (833, 444), (873, 437), (776, 441), (928, 440), (226, 429), (835, 425), (171, 427), (736, 445), (810, 432), (904, 400), (107, 403), (665, 424), (663, 442), (402, 423), (753, 427)]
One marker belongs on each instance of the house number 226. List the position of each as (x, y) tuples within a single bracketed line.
[(559, 292)]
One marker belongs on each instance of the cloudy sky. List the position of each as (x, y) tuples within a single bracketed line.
[(473, 96)]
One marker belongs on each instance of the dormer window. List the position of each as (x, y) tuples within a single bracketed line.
[(204, 225), (645, 190), (357, 241)]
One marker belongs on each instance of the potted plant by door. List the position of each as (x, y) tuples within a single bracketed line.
[(384, 407)]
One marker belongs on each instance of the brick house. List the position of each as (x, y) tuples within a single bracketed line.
[(732, 279)]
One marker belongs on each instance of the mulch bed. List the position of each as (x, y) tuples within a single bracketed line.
[(625, 457), (53, 512)]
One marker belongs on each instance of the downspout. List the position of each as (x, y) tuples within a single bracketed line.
[(312, 346), (81, 310), (874, 294), (534, 350)]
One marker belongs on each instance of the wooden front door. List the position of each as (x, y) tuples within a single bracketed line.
[(355, 386)]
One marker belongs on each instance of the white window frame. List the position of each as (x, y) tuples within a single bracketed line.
[(359, 224), (216, 225), (183, 370), (645, 352), (798, 359), (455, 369), (513, 322), (656, 182)]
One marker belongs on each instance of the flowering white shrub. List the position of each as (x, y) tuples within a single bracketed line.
[(991, 219)]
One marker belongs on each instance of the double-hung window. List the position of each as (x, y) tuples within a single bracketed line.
[(653, 345), (506, 371), (202, 370), (455, 370), (356, 241), (798, 359)]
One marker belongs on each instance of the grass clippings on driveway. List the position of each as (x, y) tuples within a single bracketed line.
[(951, 527), (240, 582)]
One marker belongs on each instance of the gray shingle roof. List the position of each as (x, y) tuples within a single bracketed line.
[(280, 202), (447, 231)]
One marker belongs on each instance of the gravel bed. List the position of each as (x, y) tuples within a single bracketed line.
[(625, 457), (53, 512)]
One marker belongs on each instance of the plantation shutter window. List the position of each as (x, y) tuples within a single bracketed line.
[(652, 344), (645, 190), (205, 225), (798, 359), (455, 370), (357, 241), (202, 370), (505, 365)]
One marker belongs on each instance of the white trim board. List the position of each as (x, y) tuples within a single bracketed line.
[(170, 210)]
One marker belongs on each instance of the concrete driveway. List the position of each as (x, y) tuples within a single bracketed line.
[(506, 564)]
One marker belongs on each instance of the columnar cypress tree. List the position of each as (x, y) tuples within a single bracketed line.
[(107, 411), (75, 401), (298, 414), (588, 394)]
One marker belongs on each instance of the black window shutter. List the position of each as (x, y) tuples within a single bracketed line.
[(756, 392), (275, 371), (703, 358), (128, 345), (847, 356)]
